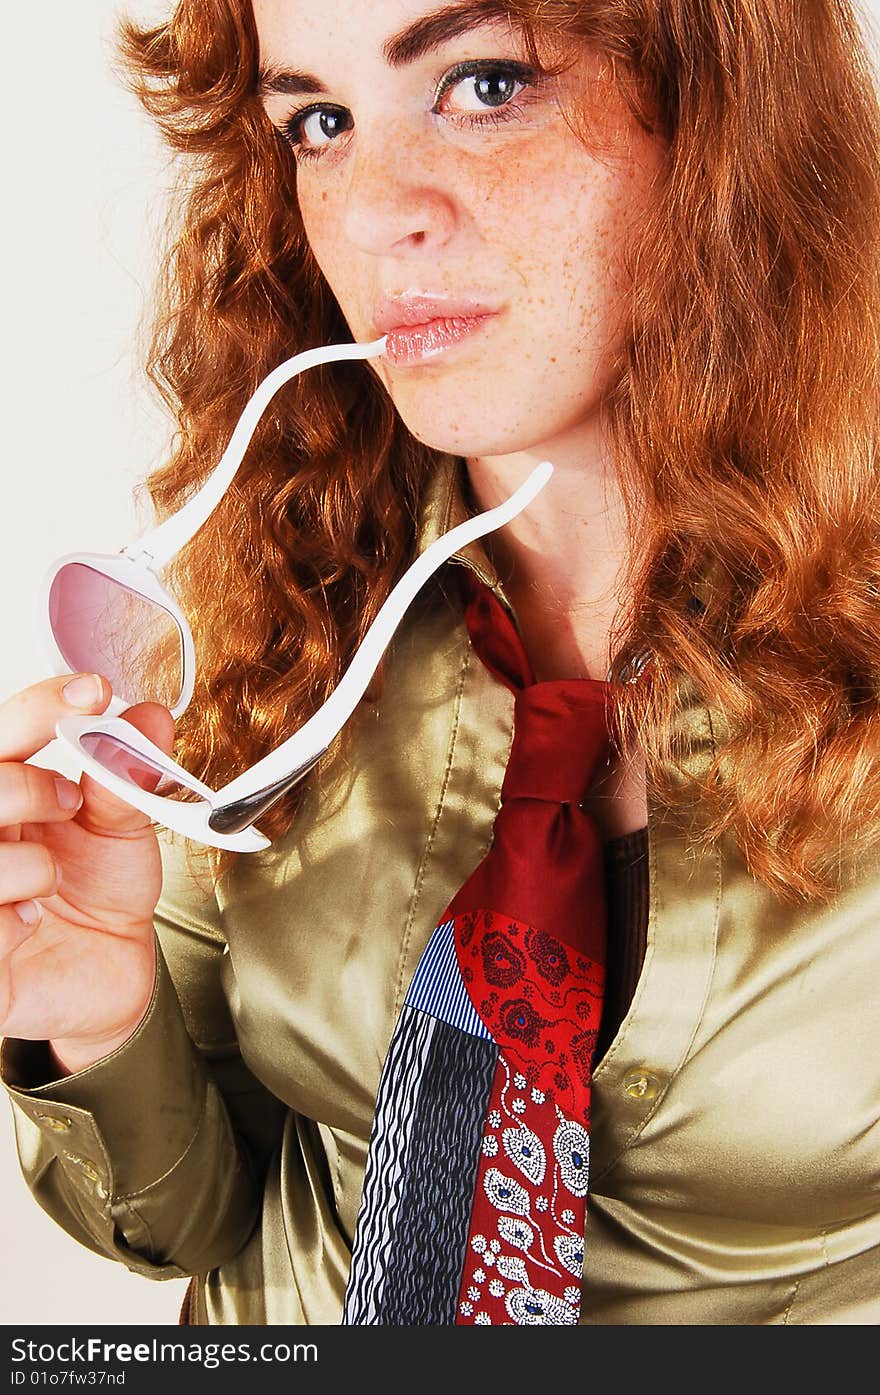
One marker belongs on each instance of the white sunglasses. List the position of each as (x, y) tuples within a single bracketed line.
[(112, 615)]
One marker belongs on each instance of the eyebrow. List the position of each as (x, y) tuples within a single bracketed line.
[(406, 47)]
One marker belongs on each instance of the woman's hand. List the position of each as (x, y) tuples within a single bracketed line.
[(80, 875)]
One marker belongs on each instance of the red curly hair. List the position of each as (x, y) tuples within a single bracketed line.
[(744, 411)]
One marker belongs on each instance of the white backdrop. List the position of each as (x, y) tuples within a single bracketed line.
[(85, 181)]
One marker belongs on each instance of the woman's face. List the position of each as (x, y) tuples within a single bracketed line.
[(449, 204)]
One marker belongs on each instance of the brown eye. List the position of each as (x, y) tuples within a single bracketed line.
[(313, 130), (493, 89), (485, 86)]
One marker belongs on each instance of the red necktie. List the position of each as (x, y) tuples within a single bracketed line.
[(474, 1201)]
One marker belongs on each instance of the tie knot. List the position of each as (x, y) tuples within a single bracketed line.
[(560, 738)]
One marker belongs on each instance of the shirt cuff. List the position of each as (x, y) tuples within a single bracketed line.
[(139, 1107)]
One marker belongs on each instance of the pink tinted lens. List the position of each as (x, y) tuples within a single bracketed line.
[(122, 760), (103, 627)]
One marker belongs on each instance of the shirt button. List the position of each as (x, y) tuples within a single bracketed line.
[(54, 1122), (641, 1084)]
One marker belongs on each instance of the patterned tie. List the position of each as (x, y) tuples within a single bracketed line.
[(474, 1202)]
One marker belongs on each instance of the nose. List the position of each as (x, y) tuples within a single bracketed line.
[(398, 201)]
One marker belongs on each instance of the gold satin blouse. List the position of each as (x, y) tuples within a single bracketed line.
[(735, 1170)]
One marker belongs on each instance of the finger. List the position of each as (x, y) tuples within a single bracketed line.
[(27, 719), (30, 794), (17, 923), (27, 870), (103, 811)]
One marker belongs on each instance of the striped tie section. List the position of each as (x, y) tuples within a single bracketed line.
[(429, 1246), (424, 1149), (438, 987), (390, 1143)]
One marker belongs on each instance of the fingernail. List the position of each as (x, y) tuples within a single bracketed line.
[(84, 691), (28, 912), (68, 794)]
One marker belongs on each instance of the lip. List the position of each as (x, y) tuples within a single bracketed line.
[(420, 326)]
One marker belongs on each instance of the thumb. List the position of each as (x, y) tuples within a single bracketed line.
[(103, 811)]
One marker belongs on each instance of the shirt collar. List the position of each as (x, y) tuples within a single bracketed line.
[(444, 506)]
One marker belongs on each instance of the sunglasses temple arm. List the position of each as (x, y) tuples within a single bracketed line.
[(291, 760), (160, 544), (238, 814)]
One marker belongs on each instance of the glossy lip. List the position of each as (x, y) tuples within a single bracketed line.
[(420, 326), (419, 308)]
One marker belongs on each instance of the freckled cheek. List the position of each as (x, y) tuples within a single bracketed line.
[(322, 209), (556, 229)]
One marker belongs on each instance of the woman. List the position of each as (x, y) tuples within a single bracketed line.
[(639, 240)]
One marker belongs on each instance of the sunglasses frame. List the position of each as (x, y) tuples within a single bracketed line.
[(136, 566), (225, 818), (135, 576)]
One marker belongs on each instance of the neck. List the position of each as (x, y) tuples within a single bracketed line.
[(563, 561)]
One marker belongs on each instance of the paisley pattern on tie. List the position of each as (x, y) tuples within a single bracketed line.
[(542, 1001)]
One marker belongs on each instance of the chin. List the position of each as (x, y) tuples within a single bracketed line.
[(457, 418), (466, 438)]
